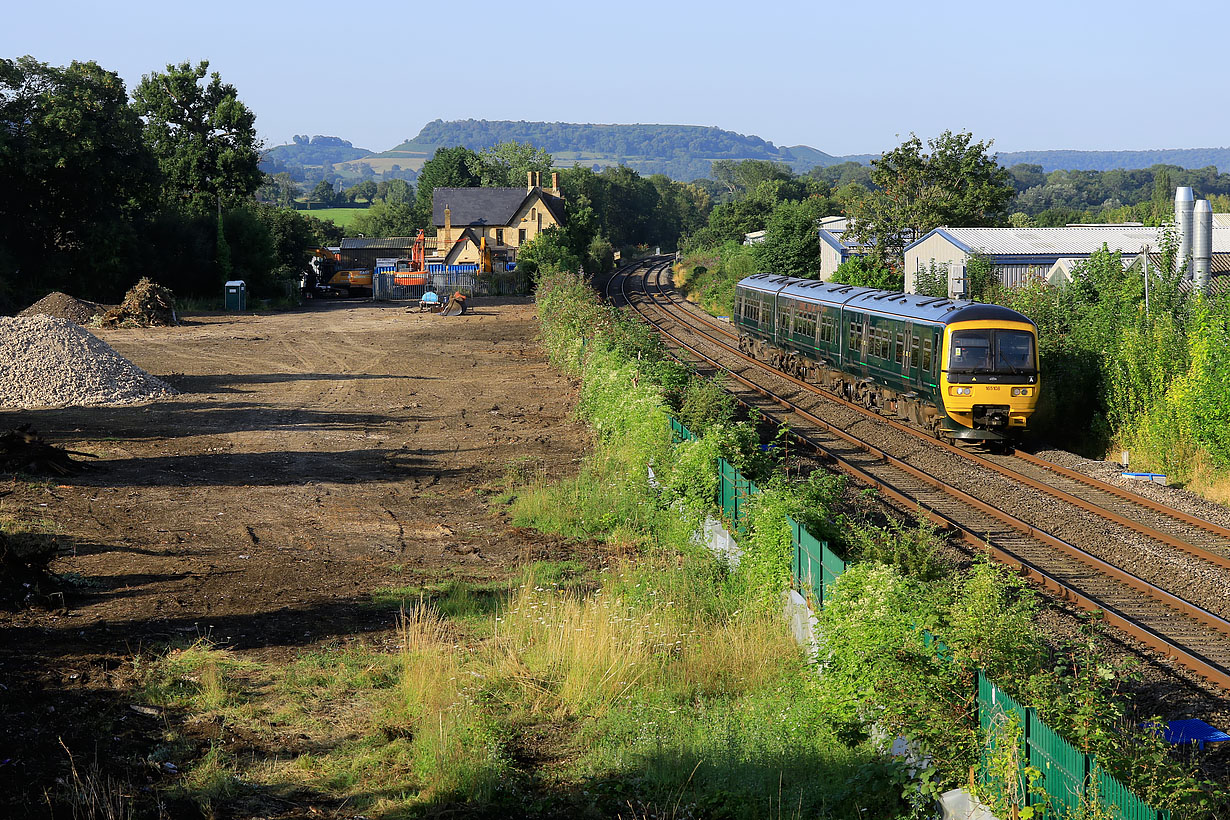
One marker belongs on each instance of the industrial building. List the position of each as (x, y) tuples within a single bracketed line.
[(1021, 254)]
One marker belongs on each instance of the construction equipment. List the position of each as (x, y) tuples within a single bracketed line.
[(413, 271), (484, 256), (456, 305)]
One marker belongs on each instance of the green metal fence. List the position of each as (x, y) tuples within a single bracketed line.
[(679, 432), (814, 566), (734, 494), (1067, 775)]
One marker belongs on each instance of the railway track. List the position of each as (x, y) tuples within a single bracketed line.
[(1163, 578)]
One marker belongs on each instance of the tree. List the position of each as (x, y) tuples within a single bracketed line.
[(75, 175), (861, 272), (791, 244), (958, 185), (505, 165), (549, 252), (279, 189), (395, 192), (448, 168), (365, 189), (324, 193), (203, 137), (386, 219)]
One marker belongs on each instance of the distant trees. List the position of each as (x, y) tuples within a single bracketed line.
[(324, 194), (278, 189), (395, 192), (364, 190)]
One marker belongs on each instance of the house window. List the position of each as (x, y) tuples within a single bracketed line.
[(521, 236), (533, 213), (499, 236)]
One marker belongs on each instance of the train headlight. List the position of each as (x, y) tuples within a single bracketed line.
[(1020, 391), (963, 391)]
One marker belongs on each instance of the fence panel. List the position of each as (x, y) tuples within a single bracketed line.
[(734, 493), (813, 565), (464, 278), (1122, 803), (994, 706), (679, 432), (1063, 767)]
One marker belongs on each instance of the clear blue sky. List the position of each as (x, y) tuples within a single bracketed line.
[(842, 77)]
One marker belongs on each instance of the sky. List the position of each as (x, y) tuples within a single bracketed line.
[(846, 78)]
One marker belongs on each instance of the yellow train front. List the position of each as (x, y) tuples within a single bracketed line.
[(988, 378)]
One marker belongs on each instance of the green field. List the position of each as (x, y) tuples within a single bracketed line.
[(341, 216)]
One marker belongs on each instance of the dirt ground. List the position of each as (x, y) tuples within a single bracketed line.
[(312, 458)]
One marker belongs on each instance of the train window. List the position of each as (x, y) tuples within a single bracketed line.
[(914, 347), (1014, 350), (900, 357), (856, 335), (926, 355), (971, 350)]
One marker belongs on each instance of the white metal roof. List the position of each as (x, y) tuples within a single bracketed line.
[(1080, 241)]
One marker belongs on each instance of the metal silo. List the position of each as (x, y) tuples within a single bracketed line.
[(1183, 204), (1202, 244)]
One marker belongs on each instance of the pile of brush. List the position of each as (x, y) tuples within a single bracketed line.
[(147, 304)]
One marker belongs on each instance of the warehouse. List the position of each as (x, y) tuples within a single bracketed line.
[(1019, 254)]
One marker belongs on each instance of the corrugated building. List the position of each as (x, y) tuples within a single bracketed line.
[(1018, 254)]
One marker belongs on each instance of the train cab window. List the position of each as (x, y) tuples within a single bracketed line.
[(1014, 351), (971, 350)]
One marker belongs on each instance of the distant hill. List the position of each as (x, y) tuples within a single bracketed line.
[(1122, 160), (305, 159), (680, 151), (683, 152)]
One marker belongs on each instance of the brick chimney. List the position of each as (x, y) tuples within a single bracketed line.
[(555, 183), (529, 181), (448, 227)]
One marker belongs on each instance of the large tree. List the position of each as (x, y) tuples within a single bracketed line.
[(74, 173), (448, 168), (202, 135), (957, 184), (505, 165)]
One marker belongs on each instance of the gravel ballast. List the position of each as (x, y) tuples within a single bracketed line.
[(49, 362)]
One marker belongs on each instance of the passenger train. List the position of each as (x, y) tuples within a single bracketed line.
[(963, 370)]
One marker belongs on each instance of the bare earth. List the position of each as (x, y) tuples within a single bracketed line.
[(312, 458)]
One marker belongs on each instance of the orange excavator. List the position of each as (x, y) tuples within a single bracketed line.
[(413, 271)]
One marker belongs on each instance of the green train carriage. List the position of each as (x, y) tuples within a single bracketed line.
[(963, 370)]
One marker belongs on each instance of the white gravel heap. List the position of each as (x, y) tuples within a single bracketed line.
[(49, 362)]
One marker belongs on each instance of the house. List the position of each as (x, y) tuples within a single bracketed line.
[(506, 218)]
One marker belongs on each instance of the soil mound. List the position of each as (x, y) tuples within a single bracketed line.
[(49, 362), (62, 306), (148, 304)]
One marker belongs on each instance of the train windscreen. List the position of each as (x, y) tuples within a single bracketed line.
[(992, 351)]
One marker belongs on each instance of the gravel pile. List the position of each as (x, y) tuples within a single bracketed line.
[(49, 362), (62, 306)]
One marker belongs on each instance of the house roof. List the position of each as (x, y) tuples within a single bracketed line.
[(1060, 242), (487, 206), (365, 243)]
